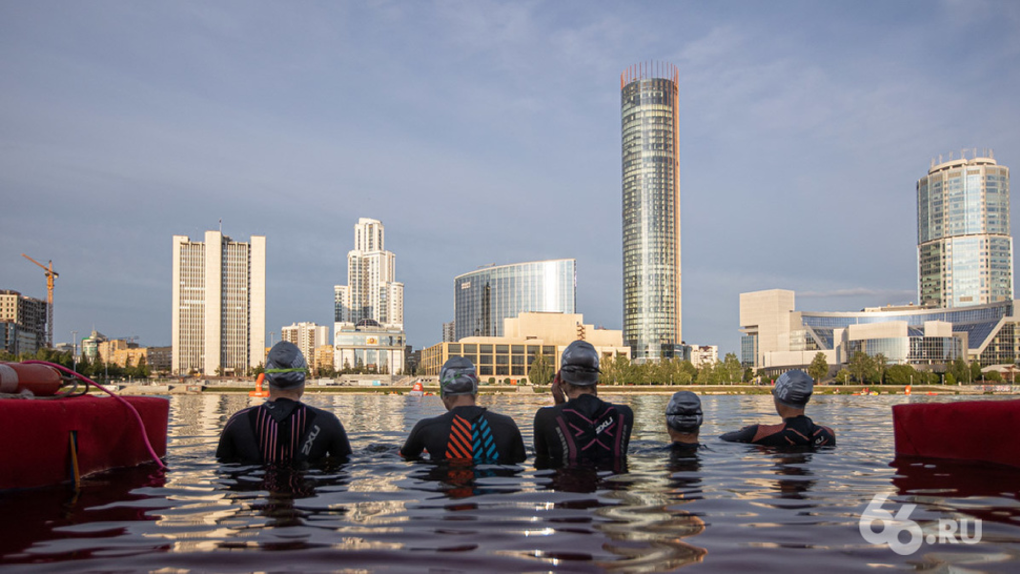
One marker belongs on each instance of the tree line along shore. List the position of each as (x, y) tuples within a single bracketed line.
[(735, 389)]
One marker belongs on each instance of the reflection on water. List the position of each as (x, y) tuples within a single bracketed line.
[(725, 507)]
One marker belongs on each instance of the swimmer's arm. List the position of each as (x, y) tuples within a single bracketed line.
[(226, 450), (745, 434), (557, 391), (520, 454), (414, 445), (538, 428), (340, 446)]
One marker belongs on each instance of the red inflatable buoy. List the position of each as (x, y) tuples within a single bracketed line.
[(41, 380)]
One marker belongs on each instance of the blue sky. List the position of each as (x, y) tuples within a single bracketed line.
[(482, 132)]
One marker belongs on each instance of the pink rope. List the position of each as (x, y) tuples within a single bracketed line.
[(131, 407)]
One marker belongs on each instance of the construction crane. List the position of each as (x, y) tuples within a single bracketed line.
[(50, 276)]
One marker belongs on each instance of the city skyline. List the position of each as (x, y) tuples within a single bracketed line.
[(482, 133)]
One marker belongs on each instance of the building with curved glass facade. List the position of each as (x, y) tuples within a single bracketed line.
[(777, 337), (964, 247), (650, 118), (483, 298)]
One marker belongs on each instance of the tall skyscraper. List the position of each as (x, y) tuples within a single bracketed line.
[(484, 297), (219, 305), (964, 247), (650, 110), (372, 291)]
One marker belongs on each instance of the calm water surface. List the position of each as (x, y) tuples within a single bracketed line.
[(732, 508)]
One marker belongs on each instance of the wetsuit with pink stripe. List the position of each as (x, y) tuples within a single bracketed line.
[(282, 432), (584, 429)]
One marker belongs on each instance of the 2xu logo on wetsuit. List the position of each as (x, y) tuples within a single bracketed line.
[(969, 529), (307, 448), (605, 424)]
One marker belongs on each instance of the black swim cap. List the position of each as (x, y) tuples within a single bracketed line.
[(457, 377), (683, 413), (579, 364), (285, 366), (794, 388)]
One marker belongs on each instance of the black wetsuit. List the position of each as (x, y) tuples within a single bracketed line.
[(281, 432), (467, 433), (795, 431), (584, 429)]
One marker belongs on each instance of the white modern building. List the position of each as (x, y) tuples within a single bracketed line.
[(219, 305), (370, 346), (777, 337), (372, 291), (704, 355), (307, 337)]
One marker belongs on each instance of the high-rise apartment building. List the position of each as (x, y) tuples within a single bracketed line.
[(650, 114), (964, 246), (25, 321), (219, 305), (372, 291), (307, 337), (485, 297)]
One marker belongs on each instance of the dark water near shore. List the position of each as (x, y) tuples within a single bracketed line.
[(731, 508)]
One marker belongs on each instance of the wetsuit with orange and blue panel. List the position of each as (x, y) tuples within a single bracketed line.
[(466, 432)]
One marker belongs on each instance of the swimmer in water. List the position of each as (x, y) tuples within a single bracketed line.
[(791, 394), (283, 430), (581, 427), (683, 421), (467, 431)]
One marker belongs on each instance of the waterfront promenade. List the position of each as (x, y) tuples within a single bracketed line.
[(735, 389)]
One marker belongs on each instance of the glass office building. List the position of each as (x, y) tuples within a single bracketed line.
[(483, 298), (964, 247), (650, 120)]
